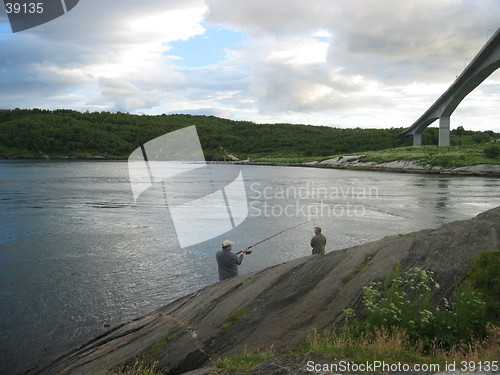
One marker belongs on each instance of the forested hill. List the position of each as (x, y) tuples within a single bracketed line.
[(61, 133)]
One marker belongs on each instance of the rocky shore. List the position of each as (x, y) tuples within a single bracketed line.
[(341, 162), (279, 306), (353, 162)]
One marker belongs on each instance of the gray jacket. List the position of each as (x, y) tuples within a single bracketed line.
[(228, 263)]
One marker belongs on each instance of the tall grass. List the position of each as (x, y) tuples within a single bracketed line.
[(244, 362), (395, 345)]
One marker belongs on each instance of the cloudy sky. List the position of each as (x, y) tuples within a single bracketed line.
[(346, 63)]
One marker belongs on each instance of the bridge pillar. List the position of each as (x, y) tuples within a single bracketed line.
[(481, 67), (444, 131), (417, 139)]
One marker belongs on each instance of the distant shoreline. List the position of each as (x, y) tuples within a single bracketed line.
[(347, 163), (482, 170), (45, 157)]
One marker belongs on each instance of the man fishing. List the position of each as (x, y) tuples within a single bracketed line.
[(318, 242), (227, 261)]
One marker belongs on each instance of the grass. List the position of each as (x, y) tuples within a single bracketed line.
[(452, 156), (244, 362), (160, 344), (235, 317), (358, 269), (382, 346), (393, 347)]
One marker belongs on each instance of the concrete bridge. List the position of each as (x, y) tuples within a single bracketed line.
[(481, 67)]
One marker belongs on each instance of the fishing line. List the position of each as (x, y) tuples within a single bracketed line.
[(274, 235)]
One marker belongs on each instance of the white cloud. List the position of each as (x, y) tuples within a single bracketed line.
[(298, 51), (375, 50), (125, 44), (349, 63)]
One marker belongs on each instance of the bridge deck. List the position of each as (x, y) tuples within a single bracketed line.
[(481, 67)]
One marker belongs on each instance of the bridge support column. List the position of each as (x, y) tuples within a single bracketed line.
[(444, 131), (417, 139)]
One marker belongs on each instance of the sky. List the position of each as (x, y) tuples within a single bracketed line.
[(342, 63)]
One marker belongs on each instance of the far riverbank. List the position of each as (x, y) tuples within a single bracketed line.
[(350, 162), (354, 163)]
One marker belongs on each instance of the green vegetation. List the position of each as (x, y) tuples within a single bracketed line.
[(65, 133), (484, 276), (160, 344), (394, 346), (358, 269), (382, 345), (244, 362), (235, 317), (404, 302), (39, 133), (492, 152), (401, 322), (452, 156)]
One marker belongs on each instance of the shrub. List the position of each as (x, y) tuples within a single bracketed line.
[(404, 301), (462, 321), (484, 276), (491, 152)]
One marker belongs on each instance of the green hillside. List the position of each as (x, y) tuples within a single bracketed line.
[(66, 133)]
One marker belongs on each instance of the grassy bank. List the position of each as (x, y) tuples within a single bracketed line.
[(452, 156)]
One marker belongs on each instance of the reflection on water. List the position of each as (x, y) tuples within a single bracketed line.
[(77, 254)]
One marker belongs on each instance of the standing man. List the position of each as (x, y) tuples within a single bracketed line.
[(227, 261), (318, 242)]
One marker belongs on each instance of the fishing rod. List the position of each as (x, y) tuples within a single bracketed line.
[(274, 235)]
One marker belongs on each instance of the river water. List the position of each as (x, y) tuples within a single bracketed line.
[(79, 256)]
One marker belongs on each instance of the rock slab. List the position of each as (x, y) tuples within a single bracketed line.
[(281, 304)]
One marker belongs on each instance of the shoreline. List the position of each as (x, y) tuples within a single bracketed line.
[(183, 336), (350, 162)]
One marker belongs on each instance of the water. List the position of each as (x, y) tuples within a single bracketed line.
[(78, 256)]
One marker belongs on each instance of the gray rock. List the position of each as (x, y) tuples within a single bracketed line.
[(283, 303), (353, 162)]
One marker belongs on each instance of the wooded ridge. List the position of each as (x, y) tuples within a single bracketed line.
[(35, 133)]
